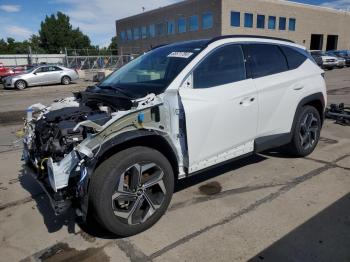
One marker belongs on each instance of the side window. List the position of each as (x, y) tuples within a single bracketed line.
[(294, 58), (266, 59), (223, 66), (42, 69)]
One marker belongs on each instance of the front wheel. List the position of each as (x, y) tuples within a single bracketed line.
[(306, 133), (131, 190), (20, 84)]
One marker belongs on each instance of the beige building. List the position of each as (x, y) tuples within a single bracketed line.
[(312, 26)]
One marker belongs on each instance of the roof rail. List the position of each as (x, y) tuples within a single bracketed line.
[(248, 36)]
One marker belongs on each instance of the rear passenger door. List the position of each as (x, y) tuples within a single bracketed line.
[(278, 86), (221, 108)]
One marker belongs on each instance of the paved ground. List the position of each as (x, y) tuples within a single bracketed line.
[(267, 207)]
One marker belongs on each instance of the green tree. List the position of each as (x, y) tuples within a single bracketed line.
[(113, 45), (56, 33)]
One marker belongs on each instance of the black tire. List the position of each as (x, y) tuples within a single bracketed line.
[(20, 84), (305, 135), (65, 80), (106, 181)]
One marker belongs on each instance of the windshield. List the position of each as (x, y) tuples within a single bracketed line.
[(153, 71)]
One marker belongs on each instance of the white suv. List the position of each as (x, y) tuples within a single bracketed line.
[(116, 149)]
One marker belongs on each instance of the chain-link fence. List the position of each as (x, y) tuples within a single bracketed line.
[(83, 59)]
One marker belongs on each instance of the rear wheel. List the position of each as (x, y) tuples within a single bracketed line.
[(131, 190), (307, 132), (20, 84), (65, 80)]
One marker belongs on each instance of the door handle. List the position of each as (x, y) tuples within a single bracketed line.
[(298, 87)]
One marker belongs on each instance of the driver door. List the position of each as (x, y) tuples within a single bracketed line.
[(221, 108), (38, 76)]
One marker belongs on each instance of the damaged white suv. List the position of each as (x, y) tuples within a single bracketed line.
[(116, 149)]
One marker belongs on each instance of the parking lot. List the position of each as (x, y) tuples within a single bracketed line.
[(266, 207)]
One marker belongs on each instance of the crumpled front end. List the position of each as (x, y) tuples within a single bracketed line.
[(62, 141)]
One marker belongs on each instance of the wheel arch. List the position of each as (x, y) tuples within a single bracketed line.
[(21, 80), (125, 140), (145, 138), (66, 76), (316, 100)]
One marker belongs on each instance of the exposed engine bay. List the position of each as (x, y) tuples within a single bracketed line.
[(55, 132), (63, 141)]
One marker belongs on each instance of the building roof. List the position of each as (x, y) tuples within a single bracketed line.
[(282, 2)]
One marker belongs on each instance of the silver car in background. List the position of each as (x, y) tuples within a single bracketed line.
[(42, 75)]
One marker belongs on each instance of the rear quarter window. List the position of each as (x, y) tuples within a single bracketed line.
[(294, 57), (266, 59)]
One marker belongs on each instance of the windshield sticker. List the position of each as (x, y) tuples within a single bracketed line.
[(180, 54)]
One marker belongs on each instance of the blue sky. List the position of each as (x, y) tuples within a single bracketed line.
[(96, 18)]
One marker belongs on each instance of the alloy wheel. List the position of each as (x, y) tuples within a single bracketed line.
[(309, 129), (20, 85), (139, 192)]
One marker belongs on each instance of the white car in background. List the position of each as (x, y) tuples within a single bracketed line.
[(42, 75), (116, 149), (341, 60), (328, 62)]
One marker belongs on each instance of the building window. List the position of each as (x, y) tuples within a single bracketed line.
[(248, 20), (181, 25), (282, 23), (194, 23), (123, 35), (152, 30), (129, 34), (292, 23), (143, 32), (159, 29), (136, 33), (260, 21), (235, 19), (272, 22), (171, 27), (207, 20)]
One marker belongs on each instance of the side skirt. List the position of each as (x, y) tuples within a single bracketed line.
[(273, 141)]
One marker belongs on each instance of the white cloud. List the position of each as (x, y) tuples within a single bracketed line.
[(97, 17), (338, 4), (10, 8), (18, 32)]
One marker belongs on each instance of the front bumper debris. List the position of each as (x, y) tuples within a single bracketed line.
[(58, 202), (60, 172)]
